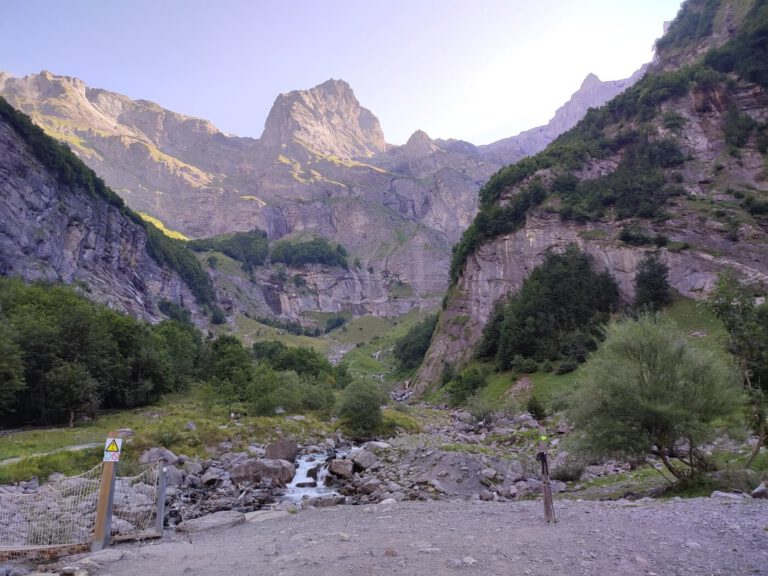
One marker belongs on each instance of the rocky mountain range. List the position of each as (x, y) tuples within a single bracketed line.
[(676, 165), (321, 167)]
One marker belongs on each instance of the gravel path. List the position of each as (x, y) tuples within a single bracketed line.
[(696, 537)]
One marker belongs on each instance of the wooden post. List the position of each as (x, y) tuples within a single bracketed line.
[(546, 487), (161, 485), (103, 527)]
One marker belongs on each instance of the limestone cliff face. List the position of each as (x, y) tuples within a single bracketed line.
[(499, 268), (327, 120), (54, 233)]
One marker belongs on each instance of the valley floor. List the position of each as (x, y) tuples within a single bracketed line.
[(696, 537)]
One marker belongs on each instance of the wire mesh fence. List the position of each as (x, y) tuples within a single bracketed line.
[(59, 514), (134, 508), (59, 517)]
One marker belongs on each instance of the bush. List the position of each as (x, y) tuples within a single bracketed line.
[(535, 408), (465, 384), (646, 390), (528, 366), (360, 410), (567, 365), (569, 471)]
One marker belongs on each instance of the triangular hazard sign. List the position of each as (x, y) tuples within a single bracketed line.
[(112, 447)]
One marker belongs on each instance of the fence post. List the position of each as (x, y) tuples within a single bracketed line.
[(161, 484), (102, 530), (546, 487)]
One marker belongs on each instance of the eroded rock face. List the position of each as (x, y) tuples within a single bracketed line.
[(59, 234), (499, 268)]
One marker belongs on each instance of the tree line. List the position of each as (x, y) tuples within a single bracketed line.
[(63, 357)]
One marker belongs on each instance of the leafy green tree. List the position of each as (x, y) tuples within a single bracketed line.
[(360, 409), (647, 390), (411, 348), (72, 390), (652, 290), (747, 327), (11, 369), (231, 369)]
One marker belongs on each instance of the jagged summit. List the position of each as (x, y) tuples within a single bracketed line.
[(420, 145), (327, 120)]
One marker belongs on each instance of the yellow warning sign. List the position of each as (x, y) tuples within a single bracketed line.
[(112, 448)]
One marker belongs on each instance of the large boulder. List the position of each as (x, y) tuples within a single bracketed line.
[(256, 470), (364, 459), (341, 468), (282, 450), (158, 453)]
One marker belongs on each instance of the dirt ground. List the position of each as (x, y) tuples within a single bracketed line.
[(696, 537)]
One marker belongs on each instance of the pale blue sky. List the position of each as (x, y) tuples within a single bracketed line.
[(478, 70)]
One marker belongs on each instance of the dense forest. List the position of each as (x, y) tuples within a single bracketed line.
[(63, 357)]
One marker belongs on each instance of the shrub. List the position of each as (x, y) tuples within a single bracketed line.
[(646, 390), (535, 408), (567, 365), (569, 471), (528, 366), (360, 409)]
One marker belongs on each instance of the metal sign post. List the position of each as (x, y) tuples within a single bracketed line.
[(546, 488)]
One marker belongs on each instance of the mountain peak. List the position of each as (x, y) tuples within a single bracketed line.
[(326, 119), (420, 145), (590, 80)]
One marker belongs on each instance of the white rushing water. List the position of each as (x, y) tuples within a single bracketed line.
[(309, 480)]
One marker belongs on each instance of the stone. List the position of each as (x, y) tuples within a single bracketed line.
[(376, 445), (264, 515), (728, 495), (158, 453), (278, 472), (363, 460), (193, 468), (486, 496), (106, 556), (212, 475), (370, 486), (341, 468), (760, 492), (217, 520), (282, 450)]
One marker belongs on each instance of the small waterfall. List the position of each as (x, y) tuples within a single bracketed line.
[(309, 481)]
